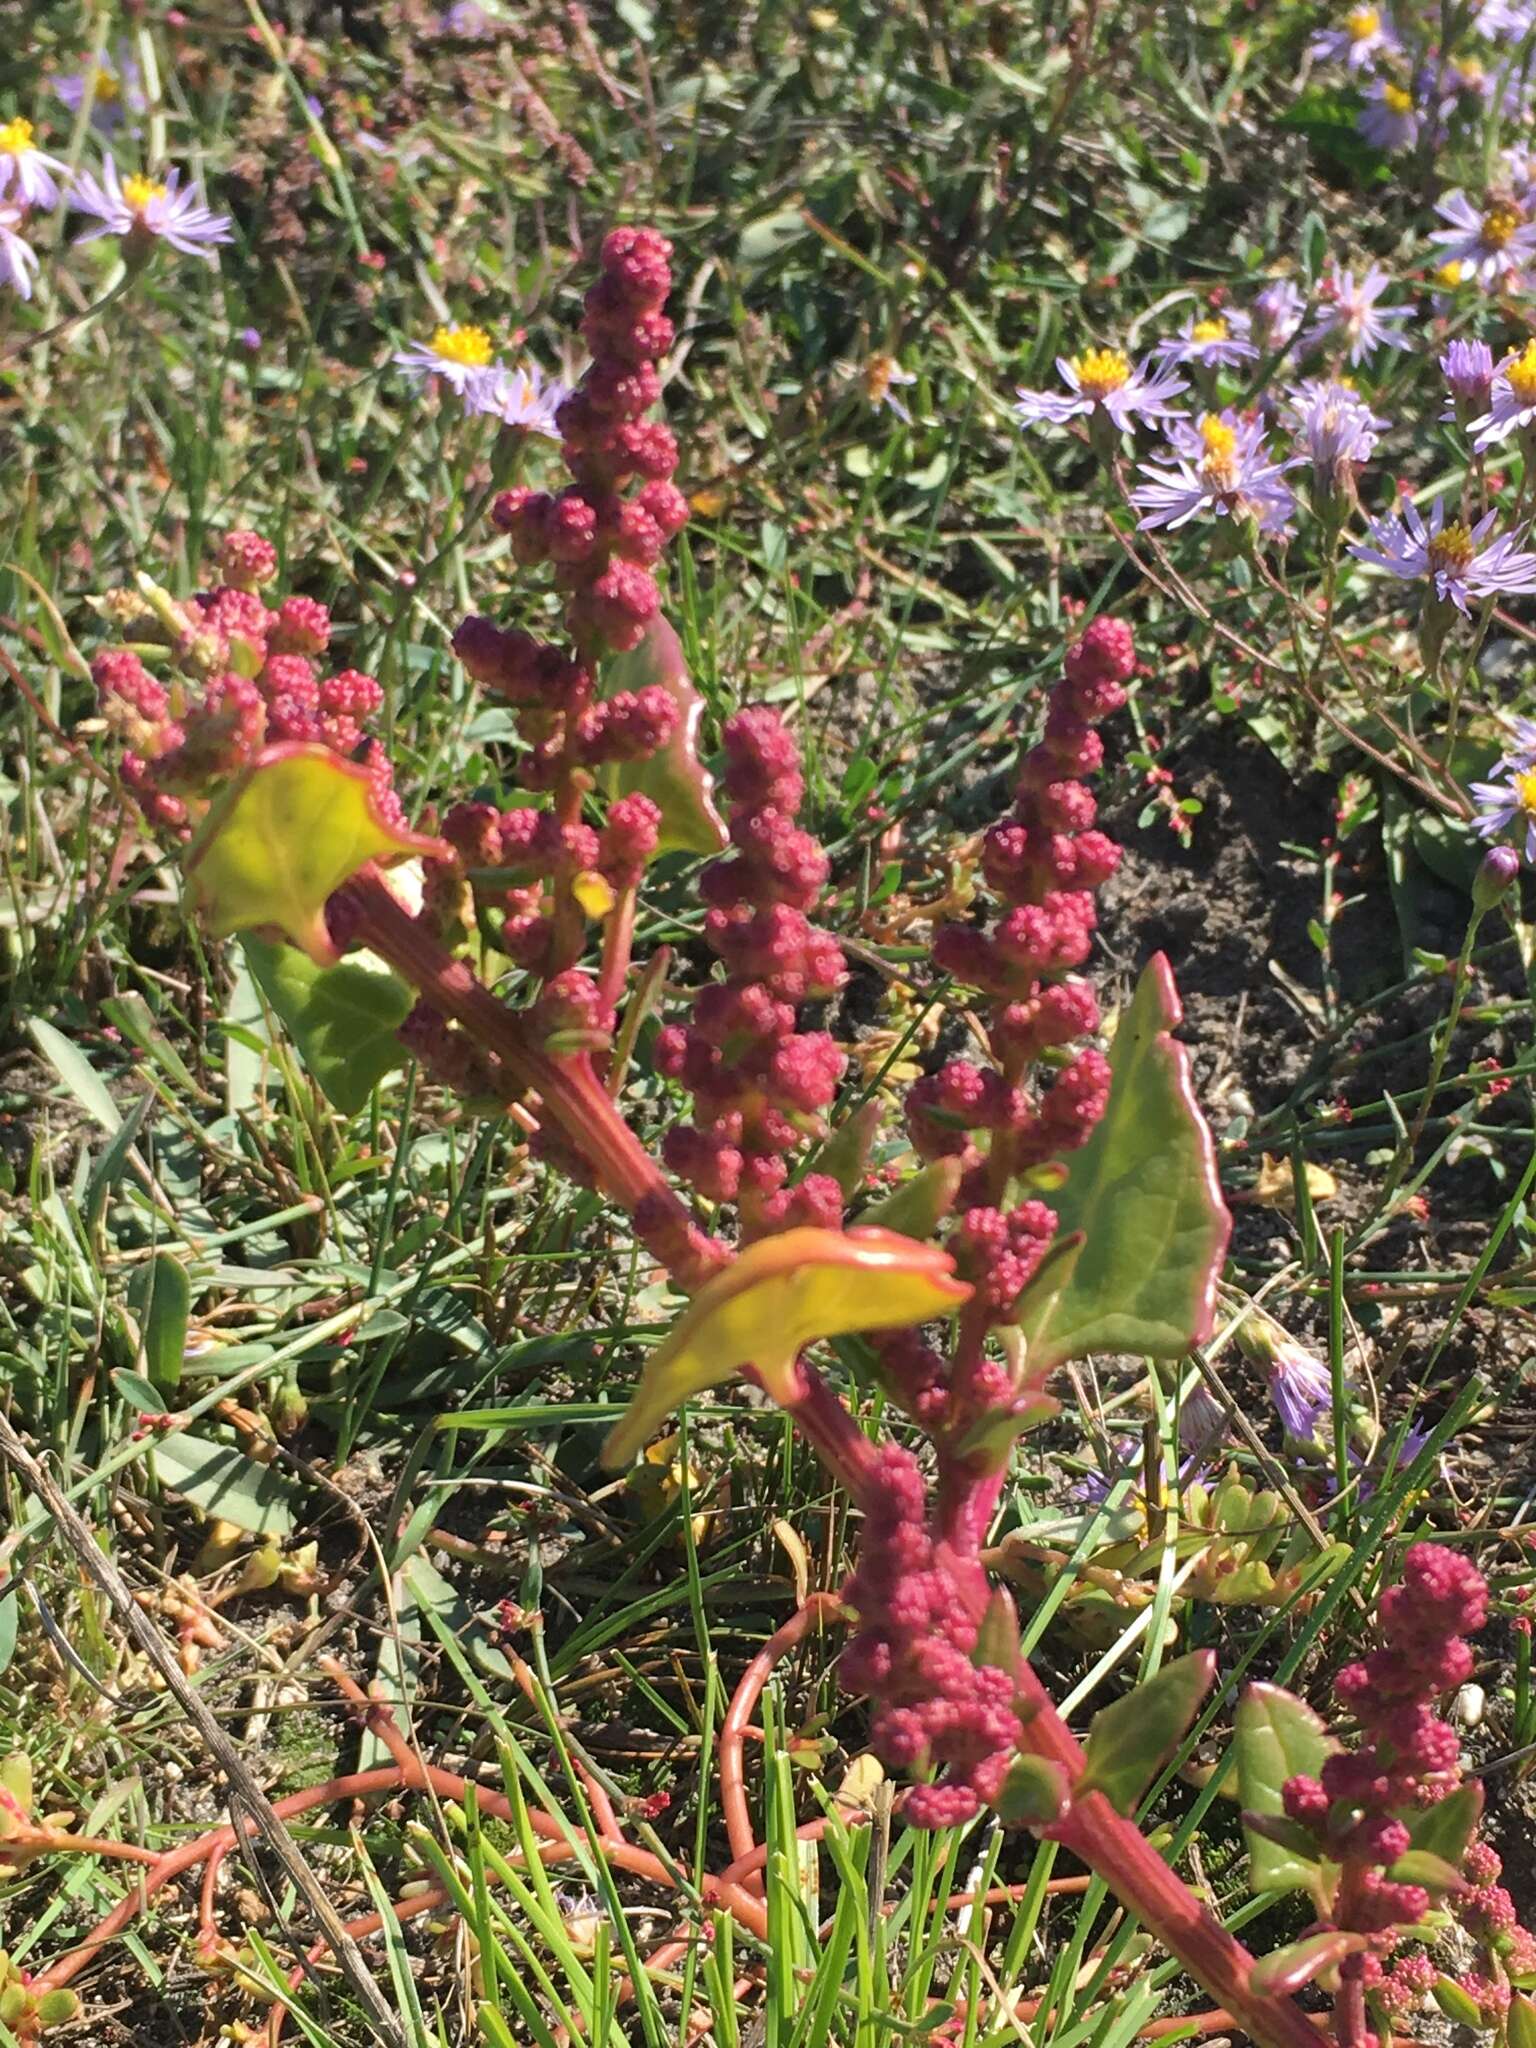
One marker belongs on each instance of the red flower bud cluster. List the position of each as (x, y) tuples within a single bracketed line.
[(241, 676), (759, 1084), (934, 1708), (602, 545), (1409, 1758), (1044, 862)]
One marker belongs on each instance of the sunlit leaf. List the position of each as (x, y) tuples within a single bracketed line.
[(1130, 1739), (1144, 1191), (781, 1294), (1446, 1828), (160, 1295), (1033, 1793), (674, 778), (343, 1019), (283, 837), (1278, 1737), (1286, 1970)]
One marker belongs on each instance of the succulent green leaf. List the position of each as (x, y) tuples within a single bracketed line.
[(1422, 1866), (1033, 1794), (57, 2008), (1131, 1738), (1285, 1970), (343, 1019), (1144, 1192), (1278, 1737), (283, 837), (674, 778), (1455, 2003), (160, 1296), (1446, 1828), (1521, 2022)]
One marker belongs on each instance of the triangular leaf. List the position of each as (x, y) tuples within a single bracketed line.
[(1278, 1737), (284, 836), (1145, 1193), (1132, 1737), (781, 1294), (342, 1019), (674, 778), (1446, 1828), (1456, 2004), (1423, 1867), (1033, 1793), (921, 1202)]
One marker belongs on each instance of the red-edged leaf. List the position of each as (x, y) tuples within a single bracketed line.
[(674, 778)]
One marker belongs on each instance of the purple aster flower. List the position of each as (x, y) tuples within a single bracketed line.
[(145, 210), (1216, 342), (1349, 310), (1518, 175), (465, 18), (1275, 320), (518, 398), (1365, 34), (1467, 367), (1101, 381), (1489, 244), (1221, 467), (1389, 120), (1511, 403), (1383, 1461), (459, 355), (26, 174), (1452, 559), (1202, 1422), (1506, 20), (110, 90), (1338, 427), (1301, 1387), (1093, 1489), (18, 259), (1509, 800)]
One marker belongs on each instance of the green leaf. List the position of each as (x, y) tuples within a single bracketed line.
[(139, 1393), (342, 1019), (1285, 1970), (1278, 1737), (1038, 1303), (160, 1296), (77, 1074), (920, 1203), (1455, 2003), (1445, 1828), (997, 1640), (1144, 1192), (1033, 1793), (1521, 2023), (1422, 1866), (57, 2008), (674, 778), (845, 1155), (283, 837), (1131, 1738), (224, 1484)]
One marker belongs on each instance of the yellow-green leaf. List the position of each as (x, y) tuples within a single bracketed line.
[(781, 1294), (283, 837), (674, 777)]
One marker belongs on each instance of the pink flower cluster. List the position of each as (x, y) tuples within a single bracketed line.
[(759, 1084), (602, 546), (1409, 1758), (1044, 861), (244, 675), (935, 1710)]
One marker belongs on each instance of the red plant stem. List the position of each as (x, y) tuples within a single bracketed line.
[(618, 939), (821, 1607), (597, 1798)]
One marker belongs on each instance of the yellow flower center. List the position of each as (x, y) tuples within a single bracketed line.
[(470, 346), (1395, 100), (1524, 785), (140, 191), (1451, 547), (1499, 225), (1363, 22), (104, 85), (1520, 374), (1100, 371), (16, 137), (1469, 70), (1220, 439), (1208, 330), (1450, 274)]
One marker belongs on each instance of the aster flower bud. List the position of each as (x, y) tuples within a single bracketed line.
[(1497, 872)]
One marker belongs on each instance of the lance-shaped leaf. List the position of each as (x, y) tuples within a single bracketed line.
[(342, 1019), (781, 1294), (1445, 1828), (674, 777), (1130, 1739), (1144, 1192), (284, 836), (1285, 1970), (1278, 1737)]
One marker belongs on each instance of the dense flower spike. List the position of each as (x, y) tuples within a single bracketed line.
[(759, 1085)]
